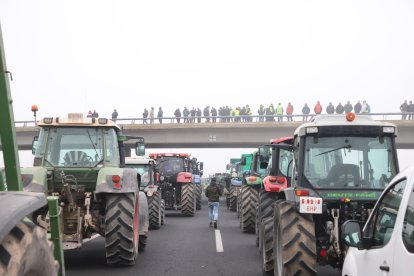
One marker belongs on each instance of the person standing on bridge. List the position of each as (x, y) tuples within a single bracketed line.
[(114, 115), (305, 112), (145, 116), (318, 108), (289, 112), (160, 115), (404, 110), (152, 116), (213, 193)]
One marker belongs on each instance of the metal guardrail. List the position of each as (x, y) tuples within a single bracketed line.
[(232, 119)]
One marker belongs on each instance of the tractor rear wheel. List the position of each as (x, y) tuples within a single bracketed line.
[(265, 209), (121, 229), (233, 199), (248, 204), (198, 196), (162, 212), (266, 246), (26, 251), (188, 200), (294, 242), (155, 213)]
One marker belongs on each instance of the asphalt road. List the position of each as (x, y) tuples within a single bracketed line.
[(183, 246)]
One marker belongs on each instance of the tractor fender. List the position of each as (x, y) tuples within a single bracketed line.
[(143, 214), (289, 195), (274, 187), (253, 180), (128, 180), (34, 179), (184, 177), (14, 206)]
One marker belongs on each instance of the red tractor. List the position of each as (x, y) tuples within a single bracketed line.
[(175, 178)]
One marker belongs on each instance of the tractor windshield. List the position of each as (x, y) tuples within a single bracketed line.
[(170, 166), (349, 162), (77, 147), (145, 171)]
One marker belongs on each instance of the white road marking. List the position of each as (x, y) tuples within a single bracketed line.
[(219, 243)]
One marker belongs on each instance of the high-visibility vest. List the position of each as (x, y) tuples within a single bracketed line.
[(279, 110)]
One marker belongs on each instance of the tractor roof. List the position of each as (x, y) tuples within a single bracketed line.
[(341, 120), (77, 121), (282, 140), (158, 155), (139, 160)]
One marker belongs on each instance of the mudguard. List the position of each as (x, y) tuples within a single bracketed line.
[(143, 214), (128, 180), (236, 182), (34, 179), (14, 206), (184, 177), (275, 187), (253, 180)]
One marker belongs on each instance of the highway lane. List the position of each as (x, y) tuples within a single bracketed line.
[(183, 246)]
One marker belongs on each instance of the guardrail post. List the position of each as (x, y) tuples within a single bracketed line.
[(54, 215)]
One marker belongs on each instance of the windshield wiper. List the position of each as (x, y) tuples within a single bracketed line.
[(343, 147)]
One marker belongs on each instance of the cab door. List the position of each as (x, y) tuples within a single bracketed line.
[(379, 258), (404, 249)]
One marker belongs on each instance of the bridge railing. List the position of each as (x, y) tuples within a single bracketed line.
[(234, 119)]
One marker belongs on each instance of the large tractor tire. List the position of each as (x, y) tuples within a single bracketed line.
[(142, 244), (155, 211), (162, 212), (198, 196), (265, 209), (26, 251), (294, 242), (248, 204), (188, 200), (121, 229), (232, 200), (266, 246)]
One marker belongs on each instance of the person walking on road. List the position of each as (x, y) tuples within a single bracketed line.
[(213, 193)]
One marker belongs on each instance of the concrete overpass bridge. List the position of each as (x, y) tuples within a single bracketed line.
[(211, 135)]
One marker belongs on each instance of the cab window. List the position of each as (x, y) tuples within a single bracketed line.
[(385, 215), (408, 226)]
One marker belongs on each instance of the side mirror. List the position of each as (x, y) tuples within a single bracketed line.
[(140, 147), (227, 167), (243, 161), (351, 233), (201, 166), (34, 144)]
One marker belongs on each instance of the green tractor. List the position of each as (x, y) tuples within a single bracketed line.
[(24, 246), (146, 168), (82, 162)]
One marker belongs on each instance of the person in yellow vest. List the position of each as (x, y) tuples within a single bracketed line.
[(279, 112), (232, 115), (237, 114)]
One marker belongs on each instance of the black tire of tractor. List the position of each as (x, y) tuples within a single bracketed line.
[(155, 211), (198, 196), (143, 239), (266, 246), (121, 229), (294, 242), (162, 211), (232, 200), (264, 210), (26, 251), (249, 201), (188, 195)]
